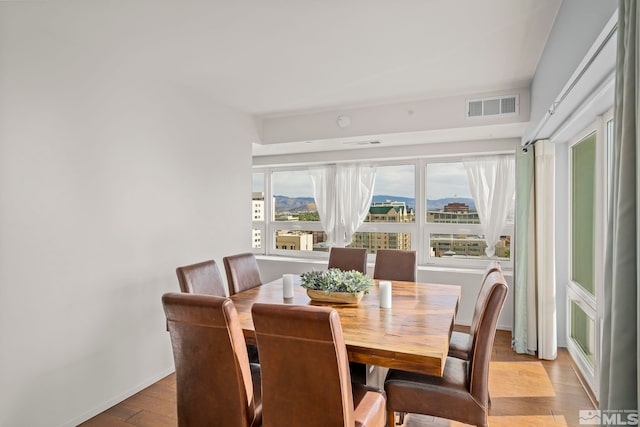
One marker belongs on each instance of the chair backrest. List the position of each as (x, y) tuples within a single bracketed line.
[(242, 272), (347, 259), (482, 295), (201, 278), (305, 369), (212, 367), (483, 337), (396, 265)]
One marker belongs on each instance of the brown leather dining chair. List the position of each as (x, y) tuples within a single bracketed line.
[(347, 259), (215, 384), (201, 278), (462, 393), (243, 272), (395, 265), (460, 342), (305, 374)]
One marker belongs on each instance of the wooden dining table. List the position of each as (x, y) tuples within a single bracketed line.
[(412, 335)]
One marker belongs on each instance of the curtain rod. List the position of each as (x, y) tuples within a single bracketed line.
[(554, 106)]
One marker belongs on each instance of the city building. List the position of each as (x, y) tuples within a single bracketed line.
[(257, 202), (464, 245), (294, 240), (257, 211), (388, 211), (454, 213)]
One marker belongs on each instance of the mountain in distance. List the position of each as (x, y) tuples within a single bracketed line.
[(432, 205), (295, 204), (308, 204)]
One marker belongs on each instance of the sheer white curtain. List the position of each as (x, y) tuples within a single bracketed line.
[(545, 266), (354, 190), (323, 180), (343, 195), (491, 180)]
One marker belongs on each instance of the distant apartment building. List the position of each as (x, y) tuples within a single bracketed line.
[(257, 212), (456, 207), (257, 200), (388, 211), (443, 245), (256, 240), (454, 213), (294, 240)]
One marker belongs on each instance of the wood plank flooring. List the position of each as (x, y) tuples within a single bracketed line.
[(525, 392)]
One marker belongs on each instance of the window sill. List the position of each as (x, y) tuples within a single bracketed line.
[(434, 268)]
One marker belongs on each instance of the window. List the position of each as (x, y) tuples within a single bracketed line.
[(293, 196), (583, 165), (437, 191), (394, 195), (295, 220), (390, 222), (452, 227), (449, 198)]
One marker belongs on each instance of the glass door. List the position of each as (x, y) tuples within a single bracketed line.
[(587, 218)]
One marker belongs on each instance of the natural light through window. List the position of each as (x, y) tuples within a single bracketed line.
[(452, 223), (437, 191)]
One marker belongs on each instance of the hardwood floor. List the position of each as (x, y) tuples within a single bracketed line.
[(525, 391)]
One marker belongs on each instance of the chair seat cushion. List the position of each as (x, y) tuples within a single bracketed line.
[(368, 405), (459, 345), (445, 397)]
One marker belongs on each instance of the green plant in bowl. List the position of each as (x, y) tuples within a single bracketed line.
[(335, 280)]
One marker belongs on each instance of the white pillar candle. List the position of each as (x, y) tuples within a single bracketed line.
[(287, 285), (385, 294)]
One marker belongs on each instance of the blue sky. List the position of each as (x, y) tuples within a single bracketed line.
[(443, 180)]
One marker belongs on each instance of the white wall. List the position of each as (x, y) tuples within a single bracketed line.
[(470, 280), (111, 175), (424, 115), (577, 25)]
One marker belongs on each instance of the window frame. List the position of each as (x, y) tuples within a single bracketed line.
[(592, 305), (429, 228), (419, 230), (272, 225)]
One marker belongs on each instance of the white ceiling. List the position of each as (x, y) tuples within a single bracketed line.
[(274, 56), (281, 56)]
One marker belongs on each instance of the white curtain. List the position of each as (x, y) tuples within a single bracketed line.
[(343, 195), (534, 325), (545, 265), (491, 180), (354, 190), (525, 325), (324, 192)]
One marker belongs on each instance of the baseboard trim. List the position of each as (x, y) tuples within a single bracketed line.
[(114, 401)]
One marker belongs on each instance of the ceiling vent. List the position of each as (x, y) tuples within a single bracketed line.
[(494, 106)]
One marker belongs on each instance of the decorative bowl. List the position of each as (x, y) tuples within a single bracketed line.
[(334, 285), (337, 297)]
